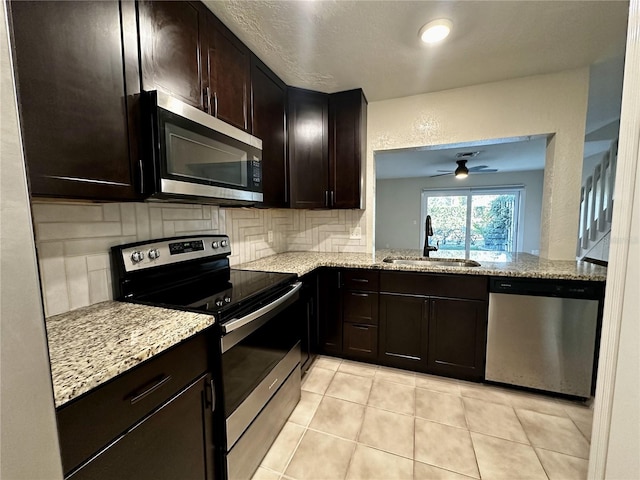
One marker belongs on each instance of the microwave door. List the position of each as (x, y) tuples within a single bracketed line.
[(200, 158)]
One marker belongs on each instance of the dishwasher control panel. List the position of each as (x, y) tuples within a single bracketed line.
[(545, 287)]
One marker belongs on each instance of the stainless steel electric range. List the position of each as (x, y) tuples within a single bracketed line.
[(256, 352)]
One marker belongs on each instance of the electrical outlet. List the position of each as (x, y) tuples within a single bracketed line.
[(355, 233), (270, 236)]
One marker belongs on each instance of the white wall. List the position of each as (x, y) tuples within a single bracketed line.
[(536, 105), (28, 436), (623, 458), (398, 214), (615, 446)]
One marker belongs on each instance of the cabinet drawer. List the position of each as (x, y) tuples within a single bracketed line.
[(360, 307), (473, 287), (94, 419), (363, 280), (360, 341)]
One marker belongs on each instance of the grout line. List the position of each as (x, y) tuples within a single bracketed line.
[(293, 452)]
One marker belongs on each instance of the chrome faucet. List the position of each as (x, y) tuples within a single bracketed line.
[(428, 232)]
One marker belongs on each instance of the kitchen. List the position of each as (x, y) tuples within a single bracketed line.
[(60, 298)]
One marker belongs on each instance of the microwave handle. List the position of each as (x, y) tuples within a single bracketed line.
[(236, 323)]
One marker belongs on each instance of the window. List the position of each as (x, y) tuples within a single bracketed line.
[(480, 220)]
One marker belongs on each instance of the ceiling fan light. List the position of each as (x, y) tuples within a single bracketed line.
[(462, 171)]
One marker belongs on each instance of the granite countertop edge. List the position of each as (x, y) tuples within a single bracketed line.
[(523, 265), (92, 345)]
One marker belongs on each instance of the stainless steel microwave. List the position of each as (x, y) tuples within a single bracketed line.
[(192, 156)]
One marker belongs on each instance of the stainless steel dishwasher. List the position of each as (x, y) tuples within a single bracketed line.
[(542, 333)]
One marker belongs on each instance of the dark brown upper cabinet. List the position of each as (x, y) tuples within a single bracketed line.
[(73, 99), (308, 149), (170, 49), (269, 123), (228, 75), (189, 54), (347, 148), (327, 142)]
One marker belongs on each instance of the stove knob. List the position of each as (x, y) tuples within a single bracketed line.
[(219, 302), (224, 243), (227, 299), (153, 253), (137, 256), (215, 244)]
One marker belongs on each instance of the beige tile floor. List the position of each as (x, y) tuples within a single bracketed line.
[(357, 421)]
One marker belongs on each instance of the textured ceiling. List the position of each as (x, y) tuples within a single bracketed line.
[(338, 45), (509, 155)]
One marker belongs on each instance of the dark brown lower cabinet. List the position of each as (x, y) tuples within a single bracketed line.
[(404, 324), (457, 338), (309, 316), (170, 443), (329, 312), (151, 422), (360, 341)]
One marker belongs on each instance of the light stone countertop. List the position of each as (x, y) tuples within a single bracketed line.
[(509, 265), (93, 344)]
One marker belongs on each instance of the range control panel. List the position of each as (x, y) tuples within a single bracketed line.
[(174, 250)]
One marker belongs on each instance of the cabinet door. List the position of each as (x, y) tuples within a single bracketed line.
[(170, 49), (330, 312), (347, 148), (72, 98), (308, 149), (457, 338), (228, 75), (360, 341), (403, 331), (269, 117), (173, 442), (308, 314)]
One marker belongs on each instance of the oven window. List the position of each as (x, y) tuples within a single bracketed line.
[(192, 155), (247, 363)]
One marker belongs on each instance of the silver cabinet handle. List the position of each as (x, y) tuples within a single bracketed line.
[(332, 198), (361, 280), (236, 323), (149, 390), (359, 294), (141, 168)]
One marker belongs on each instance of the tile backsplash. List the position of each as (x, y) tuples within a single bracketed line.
[(73, 239)]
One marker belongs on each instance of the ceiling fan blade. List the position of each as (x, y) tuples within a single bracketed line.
[(478, 167), (445, 171), (441, 174)]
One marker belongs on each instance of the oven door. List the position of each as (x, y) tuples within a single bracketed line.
[(259, 351)]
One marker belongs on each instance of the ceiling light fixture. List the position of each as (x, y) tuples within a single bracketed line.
[(436, 31), (462, 171)]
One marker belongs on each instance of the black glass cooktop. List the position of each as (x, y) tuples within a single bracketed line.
[(218, 295)]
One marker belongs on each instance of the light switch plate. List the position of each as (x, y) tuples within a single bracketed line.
[(270, 236)]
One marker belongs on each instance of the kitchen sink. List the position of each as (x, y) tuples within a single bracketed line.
[(438, 262)]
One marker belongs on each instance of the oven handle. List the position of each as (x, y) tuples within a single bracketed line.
[(236, 323)]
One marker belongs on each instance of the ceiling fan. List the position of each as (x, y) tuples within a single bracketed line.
[(462, 171)]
